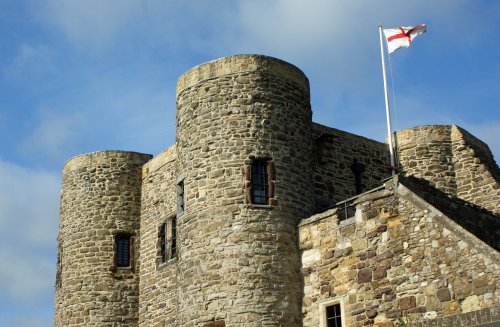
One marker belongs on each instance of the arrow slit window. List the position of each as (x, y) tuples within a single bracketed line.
[(181, 204)]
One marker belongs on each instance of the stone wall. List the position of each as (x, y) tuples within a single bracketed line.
[(398, 261), (477, 174), (476, 220), (238, 262), (451, 160), (425, 152), (158, 283), (101, 196), (335, 153)]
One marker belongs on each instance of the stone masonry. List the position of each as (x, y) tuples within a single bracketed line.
[(397, 261), (101, 196), (453, 161), (418, 251)]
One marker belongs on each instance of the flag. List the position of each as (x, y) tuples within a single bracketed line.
[(403, 36)]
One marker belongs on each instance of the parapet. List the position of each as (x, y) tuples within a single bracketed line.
[(241, 63), (102, 157)]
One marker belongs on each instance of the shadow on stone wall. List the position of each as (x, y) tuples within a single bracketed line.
[(480, 222)]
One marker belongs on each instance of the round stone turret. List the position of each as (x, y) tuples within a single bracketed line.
[(452, 160), (97, 279), (426, 152), (242, 121)]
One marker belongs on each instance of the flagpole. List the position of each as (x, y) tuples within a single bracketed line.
[(387, 111)]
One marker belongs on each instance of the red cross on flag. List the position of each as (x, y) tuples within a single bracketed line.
[(402, 37)]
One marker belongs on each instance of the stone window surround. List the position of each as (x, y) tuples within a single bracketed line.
[(271, 171), (260, 182), (131, 266), (168, 224), (328, 302)]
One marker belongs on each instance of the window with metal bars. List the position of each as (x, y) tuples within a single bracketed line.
[(260, 178), (333, 315), (260, 182), (167, 240), (123, 243)]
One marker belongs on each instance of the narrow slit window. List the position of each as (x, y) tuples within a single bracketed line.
[(260, 184), (173, 239), (162, 240), (180, 197), (333, 316), (122, 250), (59, 268)]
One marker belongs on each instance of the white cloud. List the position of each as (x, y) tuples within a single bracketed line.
[(27, 277), (53, 134), (28, 206), (27, 320), (336, 42), (31, 63), (91, 24), (98, 26), (28, 230)]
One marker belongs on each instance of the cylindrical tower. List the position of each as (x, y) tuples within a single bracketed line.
[(425, 152), (97, 283), (244, 156)]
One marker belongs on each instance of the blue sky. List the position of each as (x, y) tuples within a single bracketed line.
[(82, 76)]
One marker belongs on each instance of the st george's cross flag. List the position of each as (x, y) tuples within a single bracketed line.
[(402, 37)]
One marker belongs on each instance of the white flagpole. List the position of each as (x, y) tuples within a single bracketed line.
[(387, 111)]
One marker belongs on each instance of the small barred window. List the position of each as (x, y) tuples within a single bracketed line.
[(260, 177), (332, 312), (260, 183), (123, 250), (333, 316), (167, 241)]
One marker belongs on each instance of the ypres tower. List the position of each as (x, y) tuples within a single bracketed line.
[(257, 216)]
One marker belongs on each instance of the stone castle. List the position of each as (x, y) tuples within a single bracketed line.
[(257, 216)]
